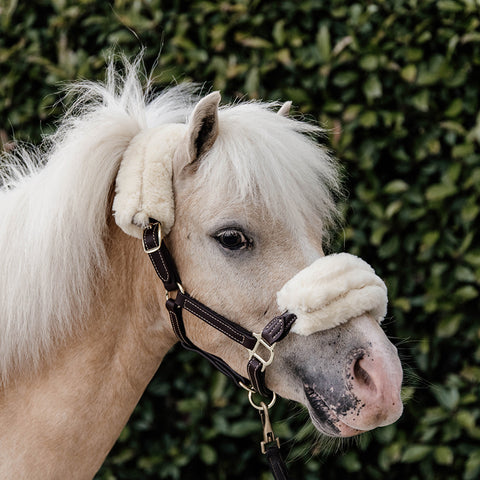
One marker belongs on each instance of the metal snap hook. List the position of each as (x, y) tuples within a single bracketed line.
[(268, 435)]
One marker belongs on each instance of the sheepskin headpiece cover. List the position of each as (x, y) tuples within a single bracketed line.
[(144, 182)]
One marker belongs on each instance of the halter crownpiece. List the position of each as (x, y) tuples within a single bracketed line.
[(331, 291)]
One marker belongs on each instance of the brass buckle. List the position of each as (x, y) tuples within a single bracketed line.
[(159, 239), (253, 351), (179, 287)]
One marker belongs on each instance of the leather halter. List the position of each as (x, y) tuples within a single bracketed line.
[(276, 330), (256, 344)]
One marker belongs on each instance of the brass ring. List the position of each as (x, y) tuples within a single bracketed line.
[(248, 389), (259, 407)]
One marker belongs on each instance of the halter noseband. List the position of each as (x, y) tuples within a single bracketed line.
[(257, 344)]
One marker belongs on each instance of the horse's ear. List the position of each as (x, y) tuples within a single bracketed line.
[(203, 126), (285, 109)]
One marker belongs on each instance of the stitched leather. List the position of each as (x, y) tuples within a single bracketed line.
[(161, 260), (178, 326), (278, 328), (230, 329), (257, 377)]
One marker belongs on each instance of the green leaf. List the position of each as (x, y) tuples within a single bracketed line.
[(471, 373), (369, 62), (251, 41), (372, 88), (421, 101), (409, 73), (208, 455), (455, 108), (466, 293), (278, 32), (439, 192), (368, 119), (378, 234), (393, 209), (245, 427), (449, 6), (447, 397), (473, 258), (252, 82), (350, 462), (323, 43), (472, 466), (443, 455), (395, 187), (430, 239), (403, 303), (463, 150), (343, 79), (449, 326), (415, 453)]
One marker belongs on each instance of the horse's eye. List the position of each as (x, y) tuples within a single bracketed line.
[(233, 239)]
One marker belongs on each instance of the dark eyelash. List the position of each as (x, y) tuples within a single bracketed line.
[(238, 240)]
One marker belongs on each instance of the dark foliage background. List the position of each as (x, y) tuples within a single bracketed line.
[(396, 82)]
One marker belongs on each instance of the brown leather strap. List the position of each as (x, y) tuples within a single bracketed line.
[(160, 257), (277, 464), (230, 329), (276, 330), (176, 319)]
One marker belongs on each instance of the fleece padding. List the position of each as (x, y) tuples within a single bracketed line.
[(144, 182), (331, 291)]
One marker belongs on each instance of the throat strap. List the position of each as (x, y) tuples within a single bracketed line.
[(232, 330), (176, 319)]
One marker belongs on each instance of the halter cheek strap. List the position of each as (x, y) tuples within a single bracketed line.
[(260, 346)]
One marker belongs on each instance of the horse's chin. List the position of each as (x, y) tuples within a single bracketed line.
[(324, 419)]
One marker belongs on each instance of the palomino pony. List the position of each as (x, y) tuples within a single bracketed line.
[(243, 197)]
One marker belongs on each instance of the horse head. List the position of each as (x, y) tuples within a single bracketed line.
[(244, 198)]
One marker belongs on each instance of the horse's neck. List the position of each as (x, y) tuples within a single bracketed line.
[(62, 422)]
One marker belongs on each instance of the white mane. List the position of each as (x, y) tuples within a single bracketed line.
[(53, 217), (53, 205)]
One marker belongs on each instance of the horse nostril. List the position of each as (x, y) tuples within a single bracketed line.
[(361, 376)]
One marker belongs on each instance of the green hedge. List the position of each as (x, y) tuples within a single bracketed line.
[(396, 82)]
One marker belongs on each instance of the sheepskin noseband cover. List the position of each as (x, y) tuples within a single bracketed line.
[(331, 291), (143, 187)]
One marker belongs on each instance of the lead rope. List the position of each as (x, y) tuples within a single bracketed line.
[(276, 330), (270, 446)]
